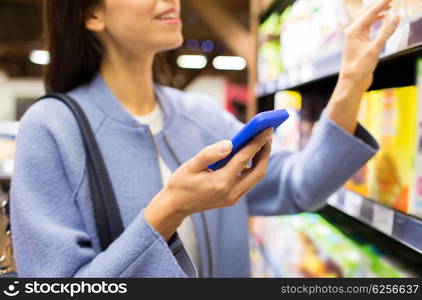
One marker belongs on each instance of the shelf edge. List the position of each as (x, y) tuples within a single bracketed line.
[(403, 228)]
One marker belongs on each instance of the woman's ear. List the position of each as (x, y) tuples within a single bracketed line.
[(95, 20)]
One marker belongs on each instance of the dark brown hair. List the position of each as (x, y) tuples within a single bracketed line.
[(75, 52)]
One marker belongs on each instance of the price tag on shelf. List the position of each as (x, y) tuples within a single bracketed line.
[(352, 204), (271, 87), (282, 82), (293, 76), (306, 72), (383, 219), (333, 200)]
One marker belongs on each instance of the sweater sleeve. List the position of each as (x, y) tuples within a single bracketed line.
[(299, 181), (303, 180), (49, 236)]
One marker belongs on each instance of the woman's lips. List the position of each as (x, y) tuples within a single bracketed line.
[(169, 17), (174, 21)]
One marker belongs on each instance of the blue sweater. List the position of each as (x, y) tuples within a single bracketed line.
[(53, 227)]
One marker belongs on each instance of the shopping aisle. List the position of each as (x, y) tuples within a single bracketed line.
[(372, 227), (369, 228)]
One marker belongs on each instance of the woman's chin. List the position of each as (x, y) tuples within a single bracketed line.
[(172, 44)]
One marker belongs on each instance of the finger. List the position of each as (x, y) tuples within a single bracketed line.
[(261, 155), (253, 175), (372, 12), (239, 161), (382, 15), (260, 161), (209, 155), (387, 29)]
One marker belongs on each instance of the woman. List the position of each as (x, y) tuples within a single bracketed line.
[(180, 219)]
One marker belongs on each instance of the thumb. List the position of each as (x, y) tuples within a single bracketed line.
[(209, 155), (387, 30)]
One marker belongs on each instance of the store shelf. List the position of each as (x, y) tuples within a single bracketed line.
[(404, 228), (406, 43)]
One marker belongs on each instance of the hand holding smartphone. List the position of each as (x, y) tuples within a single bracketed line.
[(259, 123)]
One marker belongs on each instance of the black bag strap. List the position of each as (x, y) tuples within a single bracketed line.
[(107, 214)]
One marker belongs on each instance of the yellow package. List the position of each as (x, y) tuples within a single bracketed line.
[(288, 137), (392, 176), (416, 192), (393, 124)]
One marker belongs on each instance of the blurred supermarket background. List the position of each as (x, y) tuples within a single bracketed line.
[(255, 55)]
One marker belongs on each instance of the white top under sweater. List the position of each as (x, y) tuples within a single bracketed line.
[(186, 230)]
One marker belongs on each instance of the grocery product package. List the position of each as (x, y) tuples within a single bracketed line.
[(288, 135), (393, 176), (393, 123), (312, 29), (269, 63), (306, 245)]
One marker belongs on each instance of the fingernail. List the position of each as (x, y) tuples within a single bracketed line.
[(224, 146)]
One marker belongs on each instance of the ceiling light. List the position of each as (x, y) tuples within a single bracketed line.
[(192, 61), (235, 63), (39, 57)]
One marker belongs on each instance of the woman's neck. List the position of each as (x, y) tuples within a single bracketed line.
[(131, 81)]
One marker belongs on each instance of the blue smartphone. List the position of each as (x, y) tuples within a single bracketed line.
[(262, 121)]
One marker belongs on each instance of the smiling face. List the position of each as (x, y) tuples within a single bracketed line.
[(138, 26)]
